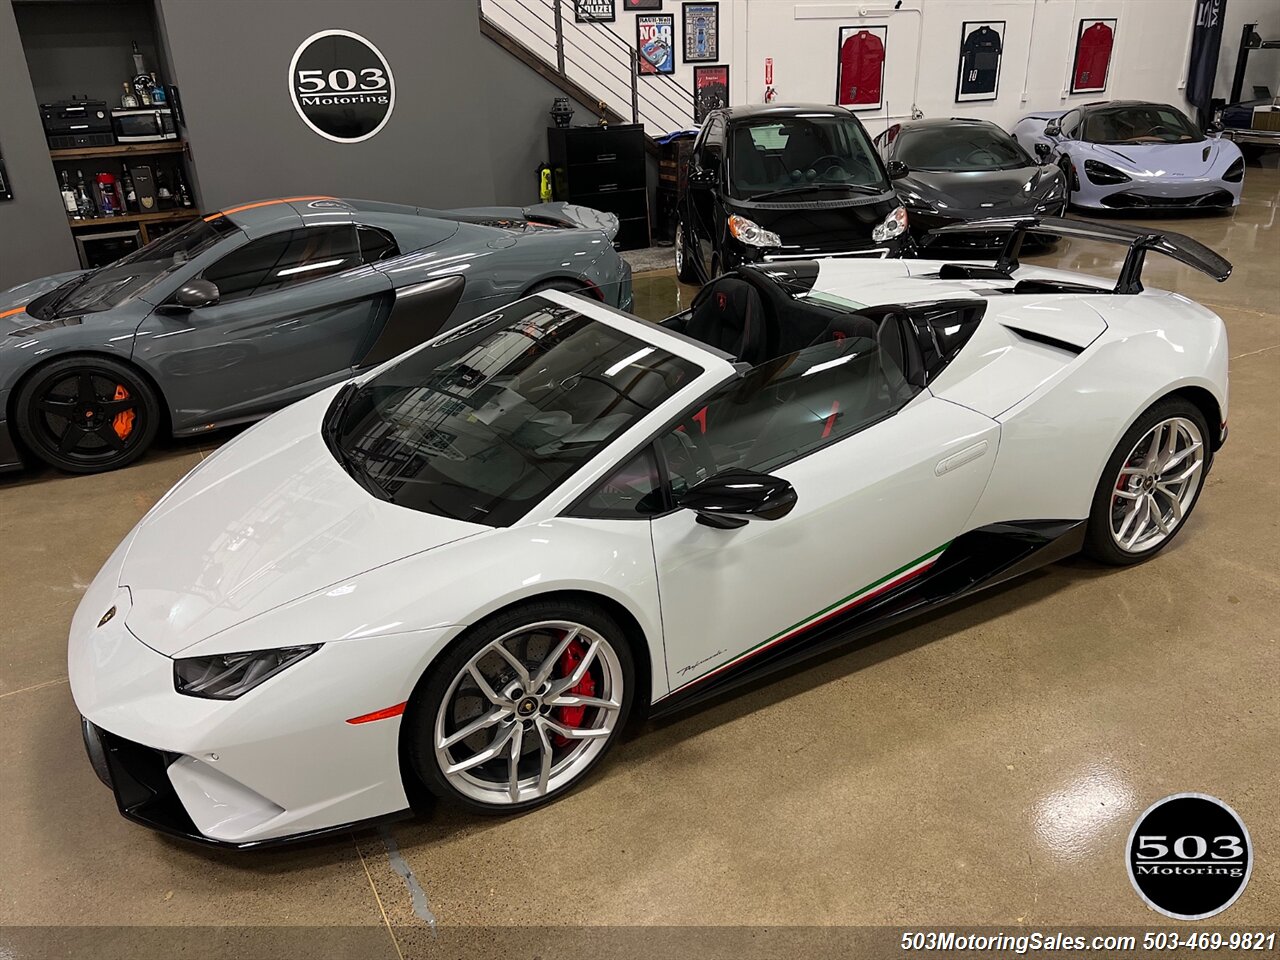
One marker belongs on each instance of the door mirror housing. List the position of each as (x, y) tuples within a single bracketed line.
[(196, 293), (897, 169), (732, 497), (1042, 152), (1053, 129)]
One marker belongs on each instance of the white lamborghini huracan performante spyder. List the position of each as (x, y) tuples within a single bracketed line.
[(466, 568)]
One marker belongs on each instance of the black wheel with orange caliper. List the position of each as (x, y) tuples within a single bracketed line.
[(87, 414)]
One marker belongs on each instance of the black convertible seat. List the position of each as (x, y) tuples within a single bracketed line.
[(728, 314)]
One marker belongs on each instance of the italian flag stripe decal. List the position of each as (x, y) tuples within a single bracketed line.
[(886, 583)]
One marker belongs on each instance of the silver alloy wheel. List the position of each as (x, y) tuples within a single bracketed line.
[(500, 733), (679, 247), (1157, 485)]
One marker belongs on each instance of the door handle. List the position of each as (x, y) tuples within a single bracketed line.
[(967, 455)]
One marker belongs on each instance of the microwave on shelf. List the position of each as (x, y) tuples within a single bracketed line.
[(144, 124)]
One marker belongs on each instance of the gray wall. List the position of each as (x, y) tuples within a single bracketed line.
[(469, 120), (468, 127), (34, 238)]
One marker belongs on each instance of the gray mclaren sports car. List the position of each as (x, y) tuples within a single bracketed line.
[(249, 309)]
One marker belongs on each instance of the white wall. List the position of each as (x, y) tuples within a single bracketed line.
[(1149, 60)]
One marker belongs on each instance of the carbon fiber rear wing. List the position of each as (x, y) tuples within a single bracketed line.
[(1181, 248)]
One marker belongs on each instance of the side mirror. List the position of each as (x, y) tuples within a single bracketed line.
[(1042, 152), (732, 497), (1052, 129), (897, 169), (197, 293)]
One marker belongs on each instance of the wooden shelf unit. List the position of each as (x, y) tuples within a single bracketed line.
[(180, 214), (121, 150)]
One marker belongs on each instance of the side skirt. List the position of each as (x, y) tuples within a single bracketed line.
[(974, 561)]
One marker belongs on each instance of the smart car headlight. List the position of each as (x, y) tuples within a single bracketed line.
[(225, 676), (895, 224), (751, 233), (1102, 174)]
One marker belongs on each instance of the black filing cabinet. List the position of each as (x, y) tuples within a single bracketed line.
[(604, 168)]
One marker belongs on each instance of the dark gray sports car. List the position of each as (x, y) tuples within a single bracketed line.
[(249, 309)]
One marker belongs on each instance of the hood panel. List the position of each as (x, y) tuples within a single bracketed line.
[(1160, 159), (810, 227), (270, 518), (988, 193)]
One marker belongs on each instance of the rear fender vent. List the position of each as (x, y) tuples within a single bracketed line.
[(1048, 341)]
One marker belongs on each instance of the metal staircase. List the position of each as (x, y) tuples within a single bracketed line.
[(589, 61)]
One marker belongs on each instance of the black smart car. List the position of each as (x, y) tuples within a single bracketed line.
[(950, 171), (769, 182)]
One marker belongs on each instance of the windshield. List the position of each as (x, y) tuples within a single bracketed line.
[(111, 286), (802, 154), (485, 422), (960, 147), (182, 245), (1145, 123)]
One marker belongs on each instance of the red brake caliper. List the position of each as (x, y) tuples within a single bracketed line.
[(586, 687)]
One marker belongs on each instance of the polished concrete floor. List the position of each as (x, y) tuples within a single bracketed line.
[(980, 767)]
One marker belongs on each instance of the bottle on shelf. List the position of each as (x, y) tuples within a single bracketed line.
[(164, 195), (129, 99), (69, 198), (184, 195), (139, 65), (127, 188), (84, 200), (141, 84), (104, 191), (158, 96)]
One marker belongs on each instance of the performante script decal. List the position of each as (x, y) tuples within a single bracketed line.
[(886, 583)]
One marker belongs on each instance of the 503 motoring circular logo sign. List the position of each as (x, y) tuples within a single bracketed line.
[(341, 85), (1189, 856)]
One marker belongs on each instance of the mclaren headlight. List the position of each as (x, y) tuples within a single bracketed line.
[(225, 676), (752, 234), (1235, 172), (1102, 174), (894, 225)]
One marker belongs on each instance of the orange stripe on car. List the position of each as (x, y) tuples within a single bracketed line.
[(10, 313), (261, 203)]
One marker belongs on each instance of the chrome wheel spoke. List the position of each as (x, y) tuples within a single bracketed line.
[(1128, 494), (576, 733), (521, 671), (549, 664), (575, 678), (1185, 475), (1174, 499), (1157, 515), (494, 749), (513, 765), (576, 700), (1141, 513), (1179, 457), (548, 755), (1153, 449), (475, 726), (482, 682)]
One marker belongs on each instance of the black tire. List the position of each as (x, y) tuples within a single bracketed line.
[(418, 736), (1100, 543), (87, 414), (686, 272), (567, 286)]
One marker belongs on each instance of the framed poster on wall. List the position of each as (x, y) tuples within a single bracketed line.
[(701, 23), (710, 90), (1095, 39), (594, 11), (655, 44), (981, 50), (641, 4), (860, 67)]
